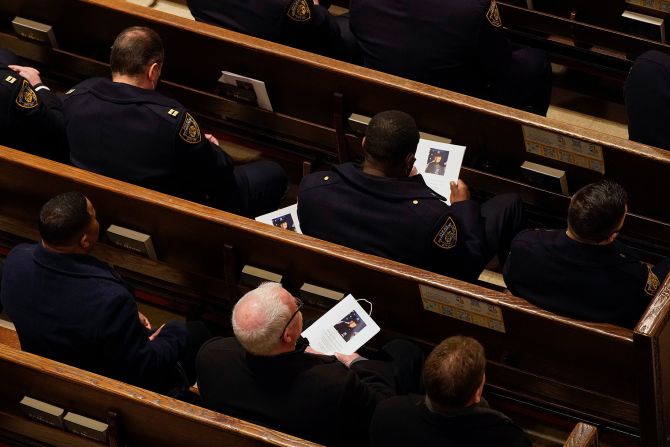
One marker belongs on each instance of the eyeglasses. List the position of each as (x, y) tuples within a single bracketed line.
[(299, 304)]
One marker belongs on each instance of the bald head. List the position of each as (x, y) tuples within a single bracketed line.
[(134, 50), (260, 316)]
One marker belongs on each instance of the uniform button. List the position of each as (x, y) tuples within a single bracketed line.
[(415, 202), (326, 178)]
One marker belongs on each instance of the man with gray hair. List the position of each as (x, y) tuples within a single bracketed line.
[(268, 374)]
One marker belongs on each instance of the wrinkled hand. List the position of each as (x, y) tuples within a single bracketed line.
[(459, 192), (347, 360), (212, 139), (31, 74), (311, 350), (153, 336), (144, 321)]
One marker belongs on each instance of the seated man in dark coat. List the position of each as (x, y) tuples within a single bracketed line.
[(584, 272), (268, 375), (70, 307), (459, 45), (647, 95), (453, 412), (304, 24), (31, 116), (380, 209), (124, 129)]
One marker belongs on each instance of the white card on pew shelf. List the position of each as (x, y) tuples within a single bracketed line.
[(344, 328), (247, 90)]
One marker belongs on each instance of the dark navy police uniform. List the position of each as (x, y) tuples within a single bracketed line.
[(31, 118), (76, 310), (143, 137), (647, 94), (459, 45), (298, 23), (404, 220), (602, 283)]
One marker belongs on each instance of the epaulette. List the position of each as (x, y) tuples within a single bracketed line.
[(172, 114)]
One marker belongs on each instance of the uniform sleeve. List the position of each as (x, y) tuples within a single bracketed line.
[(494, 51), (459, 239), (316, 28), (206, 171), (127, 348)]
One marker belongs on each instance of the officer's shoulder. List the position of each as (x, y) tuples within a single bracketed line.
[(319, 179), (83, 87), (299, 11), (174, 114)]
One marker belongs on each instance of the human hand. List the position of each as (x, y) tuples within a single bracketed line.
[(31, 74), (153, 336), (212, 139), (347, 360), (144, 321), (413, 172), (459, 192), (311, 350)]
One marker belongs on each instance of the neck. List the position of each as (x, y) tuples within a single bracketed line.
[(435, 408), (581, 240), (372, 168), (66, 250), (136, 81)]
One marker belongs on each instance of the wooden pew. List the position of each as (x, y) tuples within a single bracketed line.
[(314, 95), (583, 435), (532, 353), (135, 416)]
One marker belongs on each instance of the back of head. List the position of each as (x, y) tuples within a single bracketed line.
[(390, 136), (453, 372), (596, 210), (134, 50), (64, 219), (259, 318)]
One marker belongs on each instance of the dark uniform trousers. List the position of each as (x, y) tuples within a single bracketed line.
[(404, 220), (459, 45), (647, 95), (31, 118), (603, 283), (298, 23), (143, 137)]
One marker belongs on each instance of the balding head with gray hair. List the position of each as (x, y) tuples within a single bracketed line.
[(259, 318)]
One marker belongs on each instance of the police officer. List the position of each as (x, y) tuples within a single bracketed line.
[(647, 95), (304, 24), (380, 209), (459, 45), (583, 272), (123, 128), (31, 116)]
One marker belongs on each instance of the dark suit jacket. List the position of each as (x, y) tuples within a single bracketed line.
[(76, 310), (406, 421), (396, 218), (310, 396)]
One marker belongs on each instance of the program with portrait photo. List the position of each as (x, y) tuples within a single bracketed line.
[(349, 326), (437, 161), (285, 222)]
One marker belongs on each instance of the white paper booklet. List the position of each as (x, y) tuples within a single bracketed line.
[(286, 218), (344, 328), (439, 164), (247, 90)]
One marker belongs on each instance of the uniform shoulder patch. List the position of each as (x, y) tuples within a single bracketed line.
[(652, 284), (27, 98), (190, 131), (299, 11), (447, 236), (493, 15)]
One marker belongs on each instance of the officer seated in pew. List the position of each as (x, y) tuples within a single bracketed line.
[(124, 128), (31, 116), (384, 209), (583, 271)]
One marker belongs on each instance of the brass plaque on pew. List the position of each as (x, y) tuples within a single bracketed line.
[(462, 308), (564, 149)]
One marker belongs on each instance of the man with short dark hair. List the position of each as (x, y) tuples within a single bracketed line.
[(124, 129), (453, 412), (70, 307), (382, 209), (583, 271), (31, 116), (267, 374)]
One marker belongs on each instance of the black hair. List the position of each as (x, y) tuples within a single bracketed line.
[(64, 218), (596, 210), (390, 136), (135, 49)]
